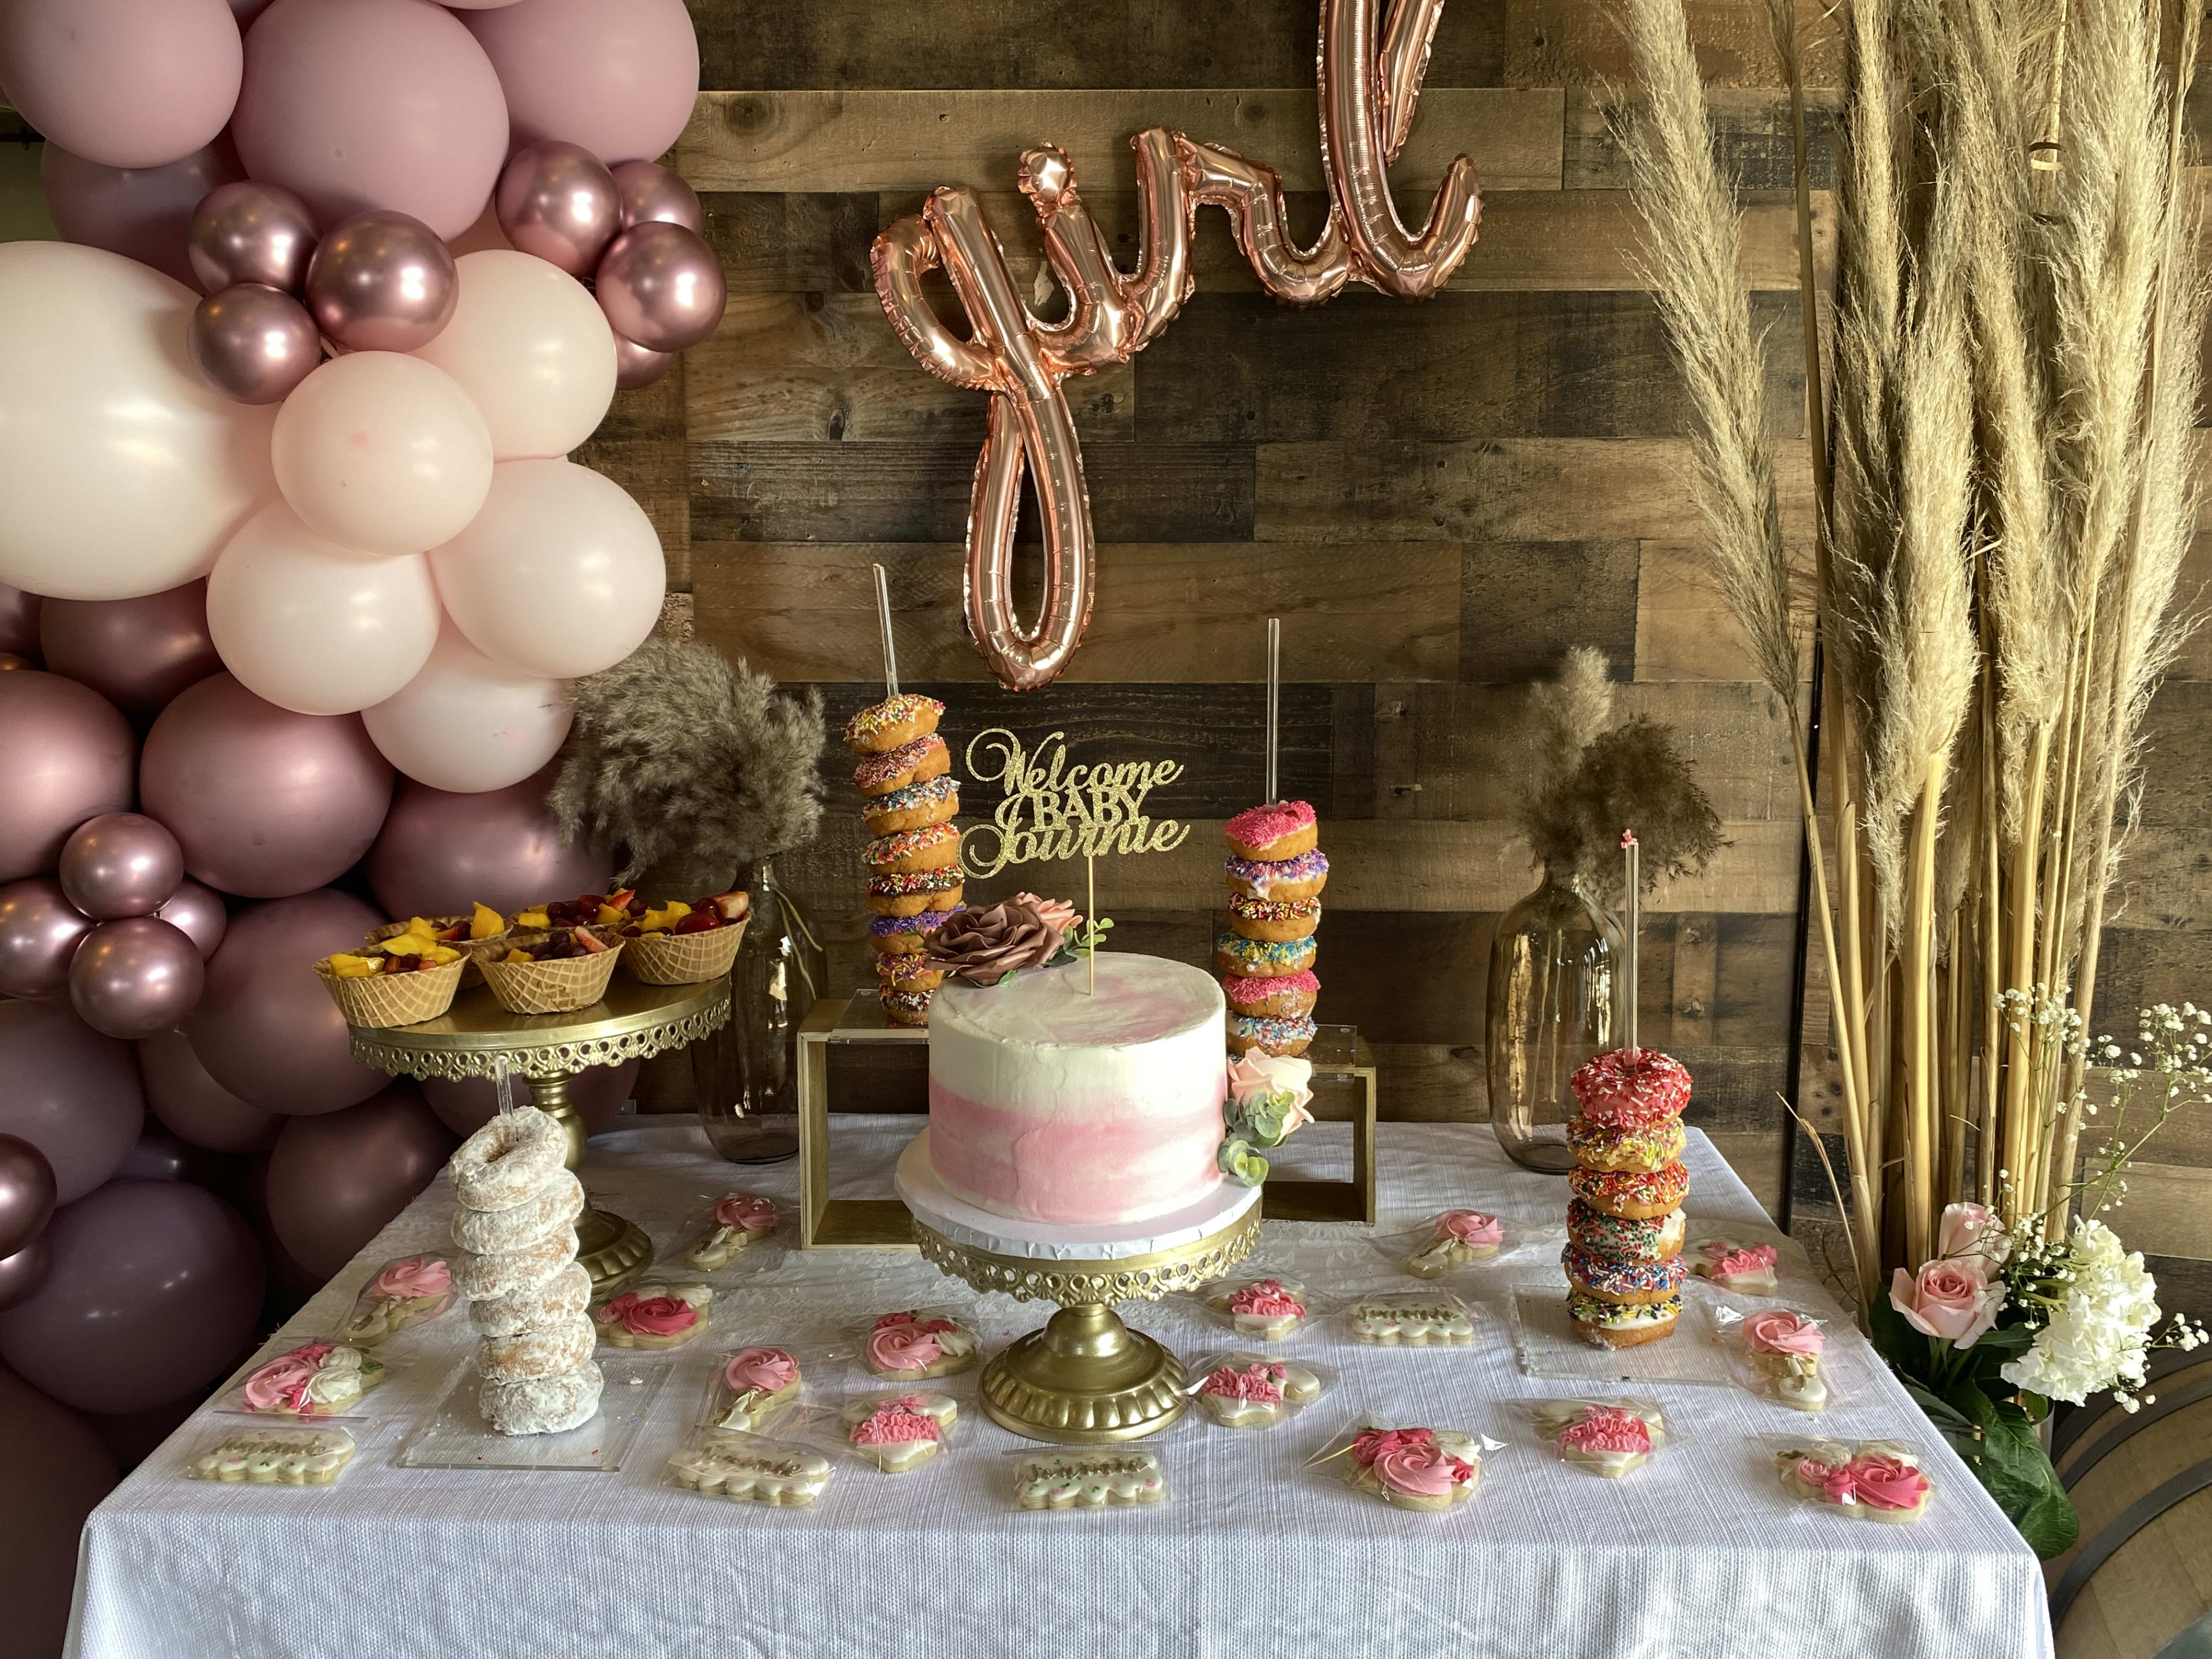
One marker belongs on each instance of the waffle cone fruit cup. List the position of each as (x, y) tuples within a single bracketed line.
[(550, 988), (387, 1000), (473, 950), (684, 958)]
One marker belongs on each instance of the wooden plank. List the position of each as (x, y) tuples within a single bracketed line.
[(918, 491), (1522, 604), (844, 141), (1510, 490), (1055, 44), (1573, 42), (1693, 988), (1462, 366), (1684, 628), (1164, 613), (1751, 137), (641, 446), (781, 243)]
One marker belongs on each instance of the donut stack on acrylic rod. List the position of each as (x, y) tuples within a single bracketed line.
[(1624, 1254), (1266, 959), (908, 798)]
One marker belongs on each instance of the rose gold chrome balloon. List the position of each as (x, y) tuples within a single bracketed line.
[(40, 931), (253, 343), (661, 286), (134, 977), (250, 232), (650, 190), (121, 864), (382, 282), (199, 913), (636, 365), (558, 201)]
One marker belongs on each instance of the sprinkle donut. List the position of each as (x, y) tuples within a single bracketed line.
[(1623, 1324), (904, 1007), (930, 802), (553, 1206), (1652, 1239), (1302, 876), (909, 972), (564, 1296), (479, 1276), (1635, 1194), (909, 893), (894, 936), (1275, 920), (1259, 959), (542, 1404), (1269, 1036), (932, 847), (1631, 1088), (546, 1351), (508, 1160), (1617, 1279), (1606, 1146), (892, 723), (1286, 996), (1271, 833)]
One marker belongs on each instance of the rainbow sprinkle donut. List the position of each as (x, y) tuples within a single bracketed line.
[(910, 762), (1631, 1088), (930, 847), (1631, 1193), (894, 721), (1651, 1238), (1260, 878), (1271, 1036), (1608, 1147), (1262, 958), (1614, 1279)]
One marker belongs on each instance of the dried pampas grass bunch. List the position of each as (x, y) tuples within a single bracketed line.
[(690, 764)]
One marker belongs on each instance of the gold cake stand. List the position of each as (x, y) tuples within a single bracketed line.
[(1085, 1379), (478, 1038)]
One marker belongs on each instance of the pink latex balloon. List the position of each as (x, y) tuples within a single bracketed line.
[(650, 190), (636, 365), (155, 1288), (40, 931), (27, 1194), (19, 621), (360, 104), (558, 201), (71, 1092), (597, 1094), (134, 977), (620, 80), (199, 912), (253, 343), (335, 1181), (247, 10), (265, 802), (439, 853), (57, 1469), (533, 349), (382, 282), (250, 232), (66, 755), (468, 724), (265, 1029), (142, 213), (127, 83), (193, 1106), (121, 864), (483, 234), (138, 654), (21, 1274), (661, 286)]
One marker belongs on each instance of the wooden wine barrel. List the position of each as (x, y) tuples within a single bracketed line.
[(2138, 1584)]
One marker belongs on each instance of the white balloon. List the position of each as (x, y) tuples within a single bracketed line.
[(560, 575), (531, 348), (382, 452), (317, 628), (122, 472), (466, 724)]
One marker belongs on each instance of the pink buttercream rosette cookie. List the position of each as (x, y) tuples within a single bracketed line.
[(1631, 1088), (1782, 1351), (1415, 1469), (912, 1344), (737, 1222), (1456, 1237)]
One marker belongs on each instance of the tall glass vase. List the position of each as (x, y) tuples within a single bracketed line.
[(746, 1075), (1555, 987)]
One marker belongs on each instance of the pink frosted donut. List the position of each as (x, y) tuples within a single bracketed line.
[(547, 1352), (1631, 1088), (564, 1296), (490, 1233), (508, 1160), (542, 1404), (1281, 830), (480, 1276)]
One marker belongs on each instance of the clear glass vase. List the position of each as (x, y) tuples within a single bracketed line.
[(745, 1076), (1555, 985)]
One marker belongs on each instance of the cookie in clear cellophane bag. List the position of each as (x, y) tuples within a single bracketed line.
[(889, 1431), (1610, 1437), (1780, 1354), (408, 1290), (756, 1385), (1261, 1306), (272, 1455), (1127, 1480), (1860, 1481), (1239, 1389), (740, 1467), (1432, 1468)]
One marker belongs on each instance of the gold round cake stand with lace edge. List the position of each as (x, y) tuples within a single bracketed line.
[(1086, 1379), (478, 1038)]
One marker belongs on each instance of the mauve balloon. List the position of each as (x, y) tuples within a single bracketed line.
[(27, 1194), (40, 931), (121, 864), (650, 190), (71, 1092), (160, 1156), (382, 282), (19, 621), (138, 654), (155, 1285), (142, 213), (199, 911), (57, 1469), (250, 232), (558, 201), (127, 83), (66, 755), (597, 1095), (335, 1181), (21, 1274), (193, 1106), (636, 365), (661, 286), (618, 79), (253, 343), (265, 1029), (265, 802), (136, 976), (439, 853)]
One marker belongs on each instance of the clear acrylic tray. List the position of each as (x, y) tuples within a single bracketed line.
[(1547, 1343), (456, 1436)]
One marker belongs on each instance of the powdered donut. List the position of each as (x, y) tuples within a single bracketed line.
[(488, 1232), (480, 1276), (544, 1405), (508, 1160), (564, 1296), (546, 1352)]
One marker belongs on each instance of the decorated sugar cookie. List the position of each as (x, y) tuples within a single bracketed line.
[(272, 1456), (403, 1293), (1089, 1480), (654, 1315), (737, 1222), (1413, 1321), (1876, 1482), (1268, 1308), (317, 1379), (911, 1347), (1249, 1393), (1607, 1438), (1415, 1469), (755, 1384), (748, 1469), (1748, 1269), (1462, 1236), (898, 1432)]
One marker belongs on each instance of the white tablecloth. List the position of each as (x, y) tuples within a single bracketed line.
[(1697, 1554)]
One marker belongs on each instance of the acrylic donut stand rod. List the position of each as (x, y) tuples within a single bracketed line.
[(478, 1038), (1369, 74)]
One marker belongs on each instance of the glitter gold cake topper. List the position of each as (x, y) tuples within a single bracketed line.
[(1051, 810)]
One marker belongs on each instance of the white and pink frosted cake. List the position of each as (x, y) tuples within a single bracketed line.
[(1048, 1103)]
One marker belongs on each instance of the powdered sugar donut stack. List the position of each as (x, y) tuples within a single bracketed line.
[(516, 1263)]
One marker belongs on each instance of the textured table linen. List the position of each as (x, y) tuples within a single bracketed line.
[(1697, 1554)]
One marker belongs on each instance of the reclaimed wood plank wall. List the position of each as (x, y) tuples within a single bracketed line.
[(1437, 500)]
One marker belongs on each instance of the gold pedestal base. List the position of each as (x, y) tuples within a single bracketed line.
[(1085, 1379), (615, 1252)]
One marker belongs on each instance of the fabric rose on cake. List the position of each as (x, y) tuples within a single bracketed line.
[(983, 945), (1059, 912), (1951, 1300)]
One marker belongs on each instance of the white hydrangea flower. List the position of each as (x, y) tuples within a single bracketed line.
[(2097, 1338)]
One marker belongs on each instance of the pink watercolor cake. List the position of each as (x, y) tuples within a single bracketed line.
[(1048, 1103)]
